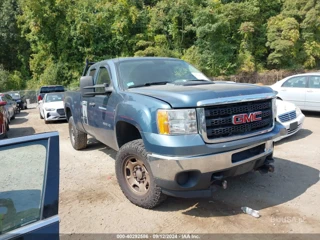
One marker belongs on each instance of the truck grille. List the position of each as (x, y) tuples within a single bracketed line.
[(61, 112), (288, 116), (219, 119)]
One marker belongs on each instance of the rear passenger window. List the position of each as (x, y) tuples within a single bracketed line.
[(314, 82), (92, 72), (296, 82)]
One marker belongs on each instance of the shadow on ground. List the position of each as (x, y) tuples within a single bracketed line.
[(303, 133), (18, 121), (252, 190), (311, 114), (94, 144), (20, 132), (22, 114)]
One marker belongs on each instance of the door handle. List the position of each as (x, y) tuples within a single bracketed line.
[(283, 90), (309, 91), (92, 104)]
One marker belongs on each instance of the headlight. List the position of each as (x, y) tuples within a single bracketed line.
[(50, 109), (298, 111), (175, 122)]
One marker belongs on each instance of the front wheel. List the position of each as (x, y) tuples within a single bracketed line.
[(135, 177), (78, 139)]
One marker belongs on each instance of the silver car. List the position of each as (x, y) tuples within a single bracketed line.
[(303, 90)]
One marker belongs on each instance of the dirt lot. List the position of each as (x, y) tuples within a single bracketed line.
[(92, 202)]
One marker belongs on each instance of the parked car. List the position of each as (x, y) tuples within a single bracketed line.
[(303, 90), (49, 89), (176, 132), (29, 193), (11, 105), (21, 101), (4, 122), (290, 116), (51, 108)]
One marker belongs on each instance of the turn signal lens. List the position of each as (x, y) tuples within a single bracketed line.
[(163, 122)]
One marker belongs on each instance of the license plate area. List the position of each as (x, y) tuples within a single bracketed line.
[(293, 126), (243, 155)]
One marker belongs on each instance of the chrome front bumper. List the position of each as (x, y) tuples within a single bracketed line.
[(167, 168)]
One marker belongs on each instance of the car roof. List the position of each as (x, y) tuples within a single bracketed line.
[(127, 59), (54, 93), (305, 74)]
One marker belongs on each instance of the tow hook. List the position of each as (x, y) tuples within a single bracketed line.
[(221, 183)]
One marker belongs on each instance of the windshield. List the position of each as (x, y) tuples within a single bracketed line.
[(138, 72), (54, 98), (15, 95), (52, 89)]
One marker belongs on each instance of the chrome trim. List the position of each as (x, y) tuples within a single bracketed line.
[(202, 128), (236, 99), (29, 228), (166, 167), (103, 108)]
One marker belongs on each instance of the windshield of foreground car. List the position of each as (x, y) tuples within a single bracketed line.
[(54, 98), (147, 72)]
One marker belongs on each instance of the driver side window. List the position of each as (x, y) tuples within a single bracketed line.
[(103, 77)]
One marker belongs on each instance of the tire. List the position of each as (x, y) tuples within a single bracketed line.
[(78, 139), (13, 117), (7, 127), (133, 155), (40, 115), (46, 122)]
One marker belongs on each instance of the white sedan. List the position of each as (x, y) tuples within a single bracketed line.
[(51, 108), (303, 90), (289, 116)]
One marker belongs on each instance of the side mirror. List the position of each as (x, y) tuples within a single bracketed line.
[(86, 86), (3, 103)]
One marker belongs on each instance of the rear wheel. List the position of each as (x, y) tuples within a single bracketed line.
[(135, 177), (78, 139)]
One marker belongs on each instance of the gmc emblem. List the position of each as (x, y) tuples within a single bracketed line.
[(245, 118)]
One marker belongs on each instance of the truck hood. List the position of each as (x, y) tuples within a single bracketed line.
[(188, 96)]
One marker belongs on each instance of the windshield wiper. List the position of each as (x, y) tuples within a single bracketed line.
[(149, 84)]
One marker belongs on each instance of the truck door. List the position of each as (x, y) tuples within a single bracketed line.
[(104, 112), (88, 109)]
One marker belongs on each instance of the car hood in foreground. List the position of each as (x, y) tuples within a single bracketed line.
[(189, 95)]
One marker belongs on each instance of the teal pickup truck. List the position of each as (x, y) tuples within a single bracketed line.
[(177, 133)]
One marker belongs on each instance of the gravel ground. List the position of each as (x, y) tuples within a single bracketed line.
[(92, 202)]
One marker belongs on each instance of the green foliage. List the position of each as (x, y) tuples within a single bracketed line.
[(47, 41)]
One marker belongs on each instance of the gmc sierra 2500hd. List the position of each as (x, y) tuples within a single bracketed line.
[(176, 132)]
